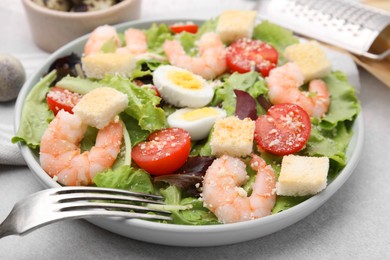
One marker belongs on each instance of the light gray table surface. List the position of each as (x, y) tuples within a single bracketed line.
[(353, 224)]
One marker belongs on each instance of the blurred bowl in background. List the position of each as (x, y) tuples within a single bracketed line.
[(52, 29)]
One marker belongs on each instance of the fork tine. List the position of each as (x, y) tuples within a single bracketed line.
[(94, 193), (95, 196), (107, 205), (76, 200), (76, 214), (76, 189)]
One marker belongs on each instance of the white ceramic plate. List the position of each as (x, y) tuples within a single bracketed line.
[(193, 236)]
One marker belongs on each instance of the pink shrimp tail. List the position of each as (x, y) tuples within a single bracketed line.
[(99, 37), (211, 61), (223, 194), (284, 87), (60, 153)]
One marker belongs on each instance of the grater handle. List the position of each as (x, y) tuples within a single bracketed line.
[(380, 56)]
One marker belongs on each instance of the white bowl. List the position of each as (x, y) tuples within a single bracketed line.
[(52, 29), (182, 235)]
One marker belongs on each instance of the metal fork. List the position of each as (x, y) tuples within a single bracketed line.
[(52, 205)]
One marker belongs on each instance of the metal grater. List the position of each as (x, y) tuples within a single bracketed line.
[(346, 24)]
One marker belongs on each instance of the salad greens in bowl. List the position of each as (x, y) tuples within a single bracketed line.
[(336, 136)]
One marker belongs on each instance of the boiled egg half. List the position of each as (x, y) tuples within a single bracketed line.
[(197, 121), (181, 87)]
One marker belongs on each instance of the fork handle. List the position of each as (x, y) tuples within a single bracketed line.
[(6, 229)]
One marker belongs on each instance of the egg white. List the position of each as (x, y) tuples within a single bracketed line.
[(198, 128), (180, 96)]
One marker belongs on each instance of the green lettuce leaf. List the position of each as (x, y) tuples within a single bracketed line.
[(188, 40), (126, 178), (275, 35), (208, 26), (137, 134), (143, 103), (36, 115), (332, 144), (344, 105), (156, 35), (195, 215), (89, 139), (109, 46), (286, 202), (249, 82), (145, 68), (202, 148), (78, 85)]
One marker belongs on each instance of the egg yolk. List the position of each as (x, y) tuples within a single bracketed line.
[(199, 113), (184, 79)]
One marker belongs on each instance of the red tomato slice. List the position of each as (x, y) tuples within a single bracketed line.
[(165, 151), (285, 129), (59, 98), (188, 27), (246, 54)]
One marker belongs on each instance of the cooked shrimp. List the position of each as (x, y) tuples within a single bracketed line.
[(60, 154), (99, 37), (223, 195), (284, 83), (135, 42), (211, 61)]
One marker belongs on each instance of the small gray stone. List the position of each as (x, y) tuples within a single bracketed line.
[(12, 77)]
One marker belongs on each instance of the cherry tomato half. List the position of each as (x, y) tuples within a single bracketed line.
[(285, 129), (180, 27), (59, 98), (165, 151), (246, 54)]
